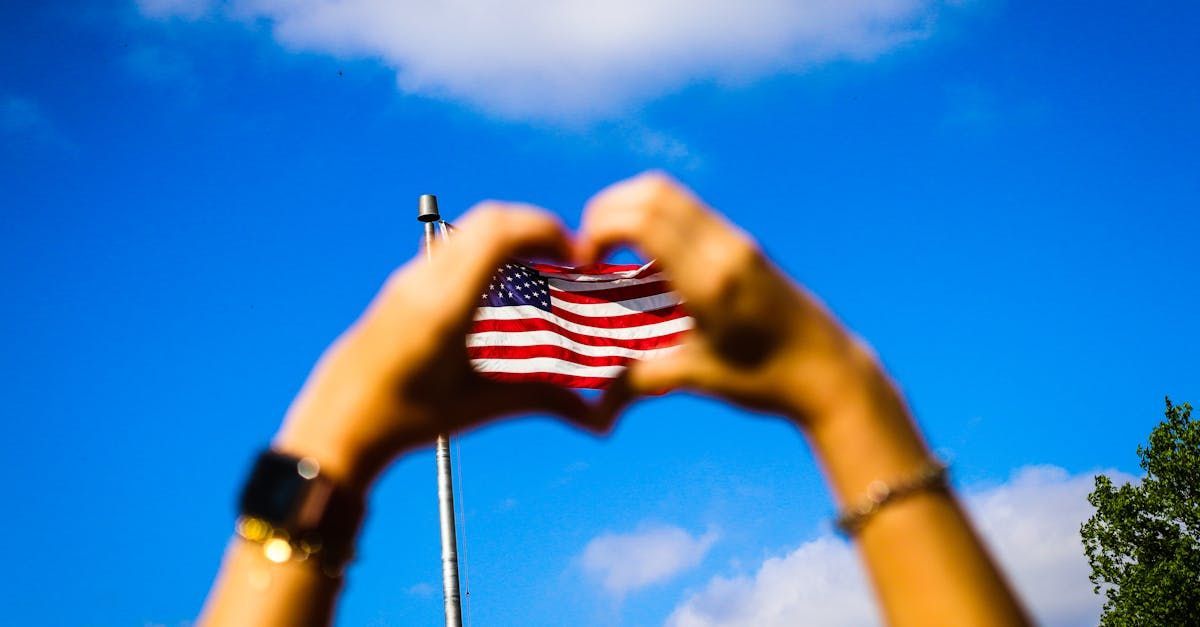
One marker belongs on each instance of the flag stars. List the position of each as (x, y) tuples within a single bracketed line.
[(515, 285)]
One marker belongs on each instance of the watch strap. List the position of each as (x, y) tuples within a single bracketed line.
[(296, 512)]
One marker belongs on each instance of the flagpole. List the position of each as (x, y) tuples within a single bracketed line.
[(427, 213)]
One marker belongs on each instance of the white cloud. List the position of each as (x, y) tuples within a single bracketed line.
[(649, 555), (576, 60), (817, 584), (1031, 522)]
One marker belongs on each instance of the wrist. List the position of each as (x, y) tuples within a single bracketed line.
[(294, 510), (822, 386), (863, 431), (337, 460), (337, 424)]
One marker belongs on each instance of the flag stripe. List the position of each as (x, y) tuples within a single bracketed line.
[(544, 364), (560, 352), (627, 320), (576, 286), (599, 272), (660, 322), (509, 339), (576, 327), (515, 327), (591, 297), (645, 304), (557, 378)]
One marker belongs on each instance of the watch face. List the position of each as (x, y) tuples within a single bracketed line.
[(274, 490)]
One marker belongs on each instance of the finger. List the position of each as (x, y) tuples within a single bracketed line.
[(656, 376), (492, 232), (617, 396), (446, 289), (496, 399), (694, 244), (640, 211), (663, 373)]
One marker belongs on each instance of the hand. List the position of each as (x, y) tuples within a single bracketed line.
[(760, 340), (400, 375)]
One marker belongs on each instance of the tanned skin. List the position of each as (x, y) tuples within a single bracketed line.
[(400, 375)]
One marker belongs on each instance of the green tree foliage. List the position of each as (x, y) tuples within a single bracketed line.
[(1143, 543)]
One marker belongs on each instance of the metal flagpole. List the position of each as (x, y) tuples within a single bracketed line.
[(427, 213)]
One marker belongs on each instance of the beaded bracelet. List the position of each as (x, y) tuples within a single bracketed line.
[(880, 493)]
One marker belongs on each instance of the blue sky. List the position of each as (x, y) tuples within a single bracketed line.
[(1002, 198)]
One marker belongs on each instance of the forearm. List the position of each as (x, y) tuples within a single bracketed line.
[(267, 582), (927, 565), (253, 590)]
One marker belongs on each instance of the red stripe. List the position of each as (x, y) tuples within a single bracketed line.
[(614, 294), (538, 324), (557, 352), (557, 378), (623, 322), (598, 269)]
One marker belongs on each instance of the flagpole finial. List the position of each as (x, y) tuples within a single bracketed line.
[(427, 209)]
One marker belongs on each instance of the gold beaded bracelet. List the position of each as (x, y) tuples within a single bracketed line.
[(880, 493)]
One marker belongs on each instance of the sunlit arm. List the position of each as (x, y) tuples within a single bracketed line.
[(765, 343), (759, 340), (925, 561), (398, 377)]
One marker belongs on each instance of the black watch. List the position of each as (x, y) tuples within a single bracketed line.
[(295, 512)]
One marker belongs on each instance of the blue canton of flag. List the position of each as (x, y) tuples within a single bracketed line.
[(515, 284)]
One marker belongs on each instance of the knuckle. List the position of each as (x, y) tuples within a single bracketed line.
[(398, 285), (656, 187), (710, 289), (742, 255), (656, 180), (667, 198), (726, 280), (487, 214), (647, 217), (526, 224), (533, 220)]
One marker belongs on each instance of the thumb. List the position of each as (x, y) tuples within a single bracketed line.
[(663, 373), (655, 376)]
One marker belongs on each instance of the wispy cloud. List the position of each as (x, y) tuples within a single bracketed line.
[(1031, 522), (576, 60), (421, 589), (661, 147), (653, 553), (189, 9)]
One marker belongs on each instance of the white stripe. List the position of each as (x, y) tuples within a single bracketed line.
[(522, 312), (545, 364), (579, 286), (621, 307), (574, 276), (550, 338)]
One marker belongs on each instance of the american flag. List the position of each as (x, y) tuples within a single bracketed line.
[(575, 327)]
